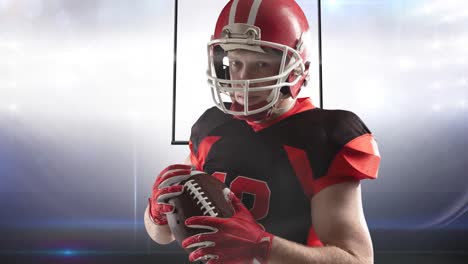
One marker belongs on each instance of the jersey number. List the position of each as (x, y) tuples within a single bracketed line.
[(259, 189)]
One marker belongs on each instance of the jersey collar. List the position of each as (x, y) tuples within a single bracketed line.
[(301, 105)]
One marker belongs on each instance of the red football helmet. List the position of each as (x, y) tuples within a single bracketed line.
[(259, 26)]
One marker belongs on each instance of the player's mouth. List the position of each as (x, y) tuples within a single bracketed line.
[(252, 99)]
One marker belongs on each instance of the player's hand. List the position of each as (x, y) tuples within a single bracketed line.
[(238, 239), (165, 187)]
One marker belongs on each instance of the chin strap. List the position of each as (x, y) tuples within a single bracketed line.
[(268, 114), (277, 111)]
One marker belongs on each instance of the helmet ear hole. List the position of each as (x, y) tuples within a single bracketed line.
[(285, 90), (307, 66)]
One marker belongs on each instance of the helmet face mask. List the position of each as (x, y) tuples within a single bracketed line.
[(244, 92), (224, 85)]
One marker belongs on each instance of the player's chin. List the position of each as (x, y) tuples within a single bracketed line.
[(253, 103), (253, 100)]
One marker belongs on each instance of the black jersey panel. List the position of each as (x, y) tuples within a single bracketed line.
[(344, 126), (207, 122)]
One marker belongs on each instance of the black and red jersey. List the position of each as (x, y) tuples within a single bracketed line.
[(275, 168)]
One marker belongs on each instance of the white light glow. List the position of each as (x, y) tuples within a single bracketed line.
[(463, 104), (436, 85), (455, 44), (333, 3), (461, 43), (11, 65), (436, 107), (442, 8), (370, 93), (455, 16), (13, 108), (436, 64), (133, 115), (12, 45), (462, 81), (84, 76), (4, 3), (406, 63), (434, 45)]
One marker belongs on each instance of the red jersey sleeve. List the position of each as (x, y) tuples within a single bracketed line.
[(359, 159)]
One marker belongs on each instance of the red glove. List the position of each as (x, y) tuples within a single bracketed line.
[(238, 239), (165, 187)]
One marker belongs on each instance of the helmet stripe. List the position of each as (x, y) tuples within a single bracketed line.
[(232, 13), (253, 12)]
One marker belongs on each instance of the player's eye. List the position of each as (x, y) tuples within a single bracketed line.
[(235, 64)]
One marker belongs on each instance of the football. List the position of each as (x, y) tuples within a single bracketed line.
[(203, 195)]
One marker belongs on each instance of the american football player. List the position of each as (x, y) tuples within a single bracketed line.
[(294, 169)]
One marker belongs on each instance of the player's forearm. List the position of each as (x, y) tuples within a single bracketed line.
[(284, 251), (160, 234)]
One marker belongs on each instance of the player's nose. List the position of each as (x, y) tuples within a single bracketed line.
[(246, 73)]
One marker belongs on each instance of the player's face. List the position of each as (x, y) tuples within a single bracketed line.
[(245, 64)]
